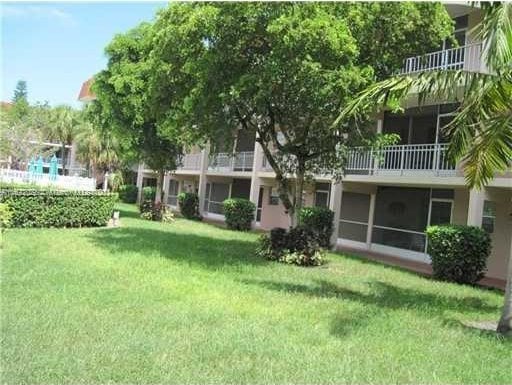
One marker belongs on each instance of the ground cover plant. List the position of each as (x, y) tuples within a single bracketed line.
[(191, 303)]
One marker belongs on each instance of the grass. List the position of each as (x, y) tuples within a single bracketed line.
[(190, 303)]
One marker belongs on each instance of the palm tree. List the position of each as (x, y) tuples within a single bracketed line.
[(481, 132), (64, 126), (98, 149)]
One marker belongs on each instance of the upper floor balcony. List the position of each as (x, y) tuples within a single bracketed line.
[(228, 162), (466, 57), (403, 160), (190, 162)]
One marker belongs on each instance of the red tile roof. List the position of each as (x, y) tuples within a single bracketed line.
[(5, 105), (86, 93)]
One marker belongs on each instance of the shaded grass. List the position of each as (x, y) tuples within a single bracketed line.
[(190, 303)]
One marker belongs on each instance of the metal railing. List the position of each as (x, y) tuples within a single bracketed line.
[(467, 57), (190, 162), (401, 159), (60, 181), (223, 161)]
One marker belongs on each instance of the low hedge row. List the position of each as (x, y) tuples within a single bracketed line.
[(52, 208)]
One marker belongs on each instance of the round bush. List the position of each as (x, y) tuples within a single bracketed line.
[(128, 193), (239, 213), (298, 246), (320, 221), (189, 205), (459, 253), (148, 193)]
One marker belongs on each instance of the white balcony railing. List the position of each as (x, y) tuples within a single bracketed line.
[(190, 162), (409, 159), (467, 58), (223, 161), (59, 181)]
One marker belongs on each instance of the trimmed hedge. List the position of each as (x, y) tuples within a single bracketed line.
[(320, 221), (52, 208), (189, 205), (128, 193), (459, 253), (239, 213)]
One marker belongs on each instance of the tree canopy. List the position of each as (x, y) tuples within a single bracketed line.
[(282, 70), (123, 105)]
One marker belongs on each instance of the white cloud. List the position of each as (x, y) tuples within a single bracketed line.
[(37, 12)]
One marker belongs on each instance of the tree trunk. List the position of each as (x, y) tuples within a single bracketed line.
[(159, 186), (63, 158), (299, 187), (505, 322)]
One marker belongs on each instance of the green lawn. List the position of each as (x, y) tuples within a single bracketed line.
[(189, 303)]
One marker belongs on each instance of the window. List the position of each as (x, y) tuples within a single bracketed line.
[(172, 198), (216, 193), (401, 216), (273, 198), (440, 212), (322, 194), (355, 208), (489, 216)]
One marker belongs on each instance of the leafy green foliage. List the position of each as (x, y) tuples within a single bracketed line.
[(148, 193), (282, 70), (123, 105), (459, 253), (152, 211), (298, 246), (320, 221), (239, 213), (128, 193), (5, 216), (50, 208), (189, 205)]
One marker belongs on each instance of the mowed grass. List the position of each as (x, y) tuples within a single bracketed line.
[(190, 303)]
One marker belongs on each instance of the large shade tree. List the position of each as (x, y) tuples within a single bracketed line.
[(282, 70), (122, 104), (481, 133)]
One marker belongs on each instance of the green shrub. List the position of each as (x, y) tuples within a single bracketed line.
[(298, 246), (239, 213), (156, 212), (189, 205), (148, 193), (128, 193), (320, 221), (459, 253), (51, 208), (5, 216)]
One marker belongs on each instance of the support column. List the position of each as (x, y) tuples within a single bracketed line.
[(371, 214), (202, 177), (475, 207), (165, 195), (335, 206), (255, 180), (140, 176)]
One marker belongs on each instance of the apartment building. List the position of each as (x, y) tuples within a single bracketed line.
[(384, 203)]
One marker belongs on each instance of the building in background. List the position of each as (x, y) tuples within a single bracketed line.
[(384, 204)]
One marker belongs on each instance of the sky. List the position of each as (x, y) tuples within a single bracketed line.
[(55, 47)]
